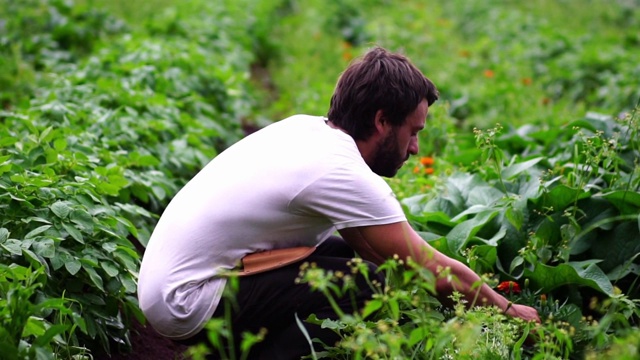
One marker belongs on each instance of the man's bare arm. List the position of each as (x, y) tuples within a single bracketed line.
[(380, 242)]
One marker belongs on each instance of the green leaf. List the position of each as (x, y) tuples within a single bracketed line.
[(4, 235), (394, 308), (110, 268), (13, 246), (51, 332), (463, 232), (60, 143), (82, 218), (515, 217), (93, 275), (31, 234), (73, 266), (44, 247), (628, 202), (35, 260), (517, 168), (34, 326), (418, 334), (128, 282), (74, 232), (371, 307), (562, 196), (548, 277)]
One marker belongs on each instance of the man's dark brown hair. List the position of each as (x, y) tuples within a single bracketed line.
[(380, 80)]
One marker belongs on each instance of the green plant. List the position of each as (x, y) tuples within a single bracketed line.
[(33, 325)]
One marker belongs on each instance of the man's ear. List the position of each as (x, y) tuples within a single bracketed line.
[(381, 121)]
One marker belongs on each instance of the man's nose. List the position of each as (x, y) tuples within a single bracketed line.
[(413, 146)]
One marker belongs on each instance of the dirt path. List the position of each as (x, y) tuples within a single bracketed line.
[(148, 345)]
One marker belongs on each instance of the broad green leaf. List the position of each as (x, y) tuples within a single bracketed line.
[(483, 258), (109, 247), (60, 144), (615, 247), (128, 282), (418, 334), (515, 217), (4, 235), (484, 195), (44, 247), (37, 231), (57, 261), (36, 219), (628, 202), (548, 278), (499, 235), (61, 209), (34, 326), (517, 168), (159, 192), (371, 307), (472, 210), (110, 268), (51, 332), (132, 229), (13, 246), (394, 308), (82, 218), (78, 320), (463, 232), (73, 266), (73, 232), (562, 196), (35, 260), (93, 275)]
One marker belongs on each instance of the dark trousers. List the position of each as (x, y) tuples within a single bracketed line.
[(272, 299)]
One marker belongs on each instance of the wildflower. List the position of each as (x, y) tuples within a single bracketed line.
[(426, 161), (509, 287), (489, 73), (416, 170), (428, 171), (526, 81)]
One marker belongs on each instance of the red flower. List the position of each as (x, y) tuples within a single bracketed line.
[(509, 287), (426, 161)]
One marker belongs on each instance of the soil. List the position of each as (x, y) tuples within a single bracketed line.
[(148, 345)]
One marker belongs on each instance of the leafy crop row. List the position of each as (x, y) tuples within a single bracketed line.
[(108, 126)]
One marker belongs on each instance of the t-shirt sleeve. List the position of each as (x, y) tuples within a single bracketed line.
[(349, 196)]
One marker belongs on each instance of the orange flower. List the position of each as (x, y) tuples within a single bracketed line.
[(489, 73), (509, 287), (526, 81), (416, 170), (465, 53), (426, 161), (347, 56), (428, 171)]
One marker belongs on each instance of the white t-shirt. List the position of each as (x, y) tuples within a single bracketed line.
[(293, 183)]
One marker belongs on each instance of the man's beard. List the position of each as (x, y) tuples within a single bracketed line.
[(387, 159)]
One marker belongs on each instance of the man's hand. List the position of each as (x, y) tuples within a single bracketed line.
[(524, 312)]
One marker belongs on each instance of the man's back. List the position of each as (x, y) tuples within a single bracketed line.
[(287, 185)]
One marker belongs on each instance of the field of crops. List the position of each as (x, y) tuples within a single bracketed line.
[(528, 169)]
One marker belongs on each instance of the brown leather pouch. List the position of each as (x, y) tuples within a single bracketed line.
[(272, 259)]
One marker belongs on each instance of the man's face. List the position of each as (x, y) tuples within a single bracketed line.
[(399, 143)]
